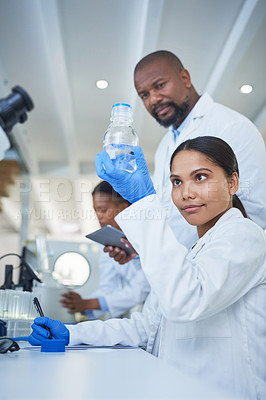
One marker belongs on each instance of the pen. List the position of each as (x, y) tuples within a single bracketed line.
[(39, 310)]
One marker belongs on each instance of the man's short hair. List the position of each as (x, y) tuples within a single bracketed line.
[(171, 58)]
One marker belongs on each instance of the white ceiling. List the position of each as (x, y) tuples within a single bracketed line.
[(57, 49)]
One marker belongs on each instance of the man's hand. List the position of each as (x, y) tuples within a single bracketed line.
[(119, 254)]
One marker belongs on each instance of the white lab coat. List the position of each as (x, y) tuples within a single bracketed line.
[(213, 119), (122, 286), (206, 313)]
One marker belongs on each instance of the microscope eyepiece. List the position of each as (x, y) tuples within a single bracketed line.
[(14, 107)]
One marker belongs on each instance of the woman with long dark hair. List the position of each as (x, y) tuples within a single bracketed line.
[(206, 313)]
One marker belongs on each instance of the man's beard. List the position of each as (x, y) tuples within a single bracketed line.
[(179, 112)]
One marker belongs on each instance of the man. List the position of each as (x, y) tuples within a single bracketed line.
[(165, 87)]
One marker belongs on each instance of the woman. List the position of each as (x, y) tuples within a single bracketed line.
[(206, 313), (120, 287)]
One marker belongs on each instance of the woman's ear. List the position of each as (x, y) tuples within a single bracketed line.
[(233, 183)]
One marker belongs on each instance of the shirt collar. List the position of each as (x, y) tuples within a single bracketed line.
[(198, 111)]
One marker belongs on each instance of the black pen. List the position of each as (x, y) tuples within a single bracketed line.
[(39, 310)]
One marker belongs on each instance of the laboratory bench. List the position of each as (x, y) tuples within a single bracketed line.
[(95, 373)]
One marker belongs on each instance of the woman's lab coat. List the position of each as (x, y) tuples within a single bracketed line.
[(207, 310)]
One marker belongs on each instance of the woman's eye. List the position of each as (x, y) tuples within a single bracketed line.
[(201, 177), (176, 182), (102, 211)]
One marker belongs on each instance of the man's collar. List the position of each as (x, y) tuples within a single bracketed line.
[(202, 106), (198, 111)]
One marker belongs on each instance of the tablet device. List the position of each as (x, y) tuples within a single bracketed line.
[(109, 236)]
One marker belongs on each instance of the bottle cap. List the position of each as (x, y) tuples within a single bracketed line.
[(53, 345), (122, 111), (121, 104)]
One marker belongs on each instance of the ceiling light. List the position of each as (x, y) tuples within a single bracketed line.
[(102, 84), (246, 89)]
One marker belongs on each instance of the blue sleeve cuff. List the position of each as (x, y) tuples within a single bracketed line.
[(103, 304), (93, 314)]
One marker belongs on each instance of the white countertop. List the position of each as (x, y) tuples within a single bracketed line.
[(95, 374)]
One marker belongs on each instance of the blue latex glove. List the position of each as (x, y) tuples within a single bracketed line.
[(58, 330), (131, 186)]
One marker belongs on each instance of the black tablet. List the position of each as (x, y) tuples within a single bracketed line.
[(109, 236)]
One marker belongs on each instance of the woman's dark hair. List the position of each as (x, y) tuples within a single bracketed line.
[(220, 153), (106, 188)]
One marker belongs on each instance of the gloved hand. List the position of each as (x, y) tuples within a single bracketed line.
[(58, 330), (131, 186)]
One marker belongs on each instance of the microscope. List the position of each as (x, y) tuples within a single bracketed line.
[(13, 109)]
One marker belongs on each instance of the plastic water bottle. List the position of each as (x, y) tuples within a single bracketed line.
[(120, 138)]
